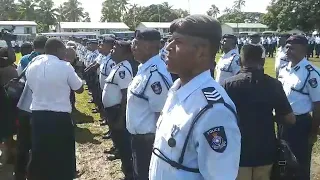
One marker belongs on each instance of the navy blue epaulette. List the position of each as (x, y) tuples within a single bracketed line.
[(212, 95), (309, 67)]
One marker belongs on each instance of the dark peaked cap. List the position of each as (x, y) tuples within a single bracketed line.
[(229, 36), (197, 25), (147, 35), (297, 39)]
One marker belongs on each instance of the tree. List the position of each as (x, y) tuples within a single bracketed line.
[(61, 11), (238, 4), (113, 10), (26, 10), (47, 15), (236, 17), (290, 14), (73, 11), (8, 10), (86, 17), (213, 11)]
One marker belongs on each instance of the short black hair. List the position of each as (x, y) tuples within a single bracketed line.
[(26, 48), (39, 42), (125, 45), (251, 53), (53, 45), (201, 26)]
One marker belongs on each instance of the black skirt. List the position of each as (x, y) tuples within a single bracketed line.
[(53, 146)]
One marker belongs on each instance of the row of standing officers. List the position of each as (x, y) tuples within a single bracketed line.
[(189, 129)]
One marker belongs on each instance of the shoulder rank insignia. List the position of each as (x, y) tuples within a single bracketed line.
[(153, 68), (156, 87), (212, 95), (313, 82), (122, 74), (309, 67), (217, 139)]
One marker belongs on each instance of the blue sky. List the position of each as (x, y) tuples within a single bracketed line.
[(196, 6)]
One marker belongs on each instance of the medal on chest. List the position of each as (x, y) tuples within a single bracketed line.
[(172, 141)]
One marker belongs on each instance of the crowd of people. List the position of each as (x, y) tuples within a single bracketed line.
[(169, 115)]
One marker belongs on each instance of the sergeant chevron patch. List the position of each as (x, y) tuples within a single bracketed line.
[(212, 95)]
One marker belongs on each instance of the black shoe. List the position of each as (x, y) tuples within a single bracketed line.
[(90, 101), (102, 120), (90, 93), (107, 133), (94, 111), (106, 137)]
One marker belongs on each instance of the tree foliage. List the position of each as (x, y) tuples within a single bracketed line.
[(233, 16), (213, 11), (290, 14)]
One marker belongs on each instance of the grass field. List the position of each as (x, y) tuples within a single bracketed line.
[(92, 163)]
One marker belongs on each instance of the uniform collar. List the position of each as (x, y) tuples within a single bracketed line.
[(151, 61), (302, 63), (184, 91), (232, 51)]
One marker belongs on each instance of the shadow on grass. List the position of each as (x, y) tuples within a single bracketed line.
[(81, 118), (84, 135)]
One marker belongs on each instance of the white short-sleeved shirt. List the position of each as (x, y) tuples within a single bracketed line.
[(281, 59), (118, 79), (106, 64), (215, 141), (50, 80), (90, 57), (98, 59), (228, 66), (300, 89), (146, 96)]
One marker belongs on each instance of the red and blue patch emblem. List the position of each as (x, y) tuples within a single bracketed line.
[(217, 139)]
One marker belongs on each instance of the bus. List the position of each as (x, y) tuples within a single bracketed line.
[(67, 35)]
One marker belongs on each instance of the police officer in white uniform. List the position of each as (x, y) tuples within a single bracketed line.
[(300, 81), (114, 98), (50, 80), (147, 94), (197, 133), (281, 59), (229, 64)]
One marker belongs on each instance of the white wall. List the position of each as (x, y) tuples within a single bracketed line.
[(226, 29), (21, 29)]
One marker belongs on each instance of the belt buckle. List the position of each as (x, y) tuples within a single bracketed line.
[(282, 163)]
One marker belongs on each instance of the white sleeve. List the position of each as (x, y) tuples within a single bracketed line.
[(235, 65), (218, 143), (156, 92), (123, 78), (74, 81), (19, 69), (313, 86)]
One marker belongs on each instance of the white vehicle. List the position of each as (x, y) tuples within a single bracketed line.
[(67, 35)]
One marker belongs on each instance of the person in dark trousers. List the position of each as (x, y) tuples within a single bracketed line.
[(247, 90), (114, 99), (300, 80), (53, 141), (146, 97), (24, 115)]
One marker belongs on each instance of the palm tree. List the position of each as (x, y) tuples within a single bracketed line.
[(86, 17), (238, 4), (213, 11), (26, 9), (73, 10), (48, 14)]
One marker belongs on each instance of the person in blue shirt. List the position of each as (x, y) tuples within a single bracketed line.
[(38, 45)]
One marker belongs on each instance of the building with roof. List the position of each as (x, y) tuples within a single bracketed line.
[(162, 27), (96, 27), (21, 27), (235, 28)]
